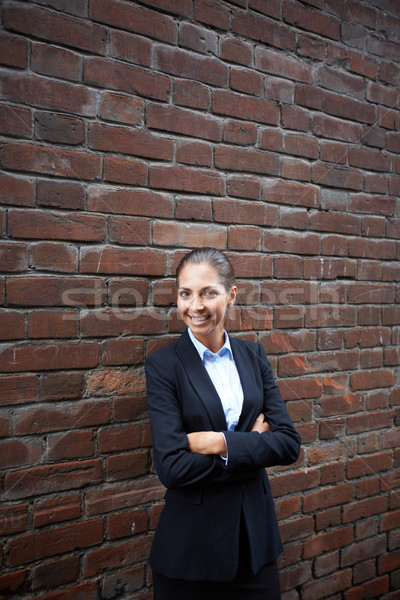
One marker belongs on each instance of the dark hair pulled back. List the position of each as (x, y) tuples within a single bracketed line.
[(216, 259)]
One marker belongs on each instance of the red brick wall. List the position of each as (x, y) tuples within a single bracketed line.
[(132, 131)]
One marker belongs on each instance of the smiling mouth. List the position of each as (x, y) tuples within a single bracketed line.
[(198, 319)]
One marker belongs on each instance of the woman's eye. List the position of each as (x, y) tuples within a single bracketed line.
[(184, 294), (210, 294)]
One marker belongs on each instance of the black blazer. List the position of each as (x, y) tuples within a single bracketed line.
[(197, 537)]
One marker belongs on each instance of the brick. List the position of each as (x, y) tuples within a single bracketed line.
[(364, 508), (355, 110), (333, 152), (186, 180), (248, 160), (182, 234), (70, 445), (51, 161), (122, 261), (244, 237), (329, 127), (49, 94), (371, 294), (340, 494), (280, 90), (297, 529), (294, 243), (243, 187), (198, 154), (369, 464), (17, 453), (311, 20), (64, 195), (122, 77), (17, 389), (365, 380), (43, 357), (60, 129), (295, 194), (45, 418), (13, 51), (289, 483), (55, 573), (122, 352), (246, 81), (198, 39), (13, 257), (237, 211), (244, 107), (193, 208), (55, 291), (191, 93), (212, 13), (129, 230), (121, 108), (243, 134), (337, 582), (328, 541), (58, 28), (295, 118), (117, 555), (15, 121), (182, 63), (343, 83), (57, 509), (12, 582), (367, 337), (125, 201), (310, 47), (121, 496), (236, 50), (52, 256), (363, 550), (131, 48), (270, 61), (137, 19), (61, 539), (43, 225), (125, 466), (126, 523), (52, 324), (338, 177), (257, 27), (183, 121), (13, 519), (305, 387), (18, 191), (126, 141), (56, 62), (369, 159), (124, 581)]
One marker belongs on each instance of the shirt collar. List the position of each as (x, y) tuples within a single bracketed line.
[(202, 350)]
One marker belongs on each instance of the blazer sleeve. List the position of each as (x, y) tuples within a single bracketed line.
[(278, 446), (176, 466)]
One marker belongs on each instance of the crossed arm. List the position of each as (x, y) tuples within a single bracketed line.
[(213, 442)]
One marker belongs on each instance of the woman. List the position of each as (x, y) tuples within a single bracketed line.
[(217, 420)]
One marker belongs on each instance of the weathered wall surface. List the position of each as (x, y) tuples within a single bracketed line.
[(132, 131)]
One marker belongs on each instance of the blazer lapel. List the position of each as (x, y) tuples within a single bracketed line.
[(201, 381), (251, 409)]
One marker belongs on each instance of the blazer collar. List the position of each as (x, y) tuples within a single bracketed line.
[(203, 385), (201, 381)]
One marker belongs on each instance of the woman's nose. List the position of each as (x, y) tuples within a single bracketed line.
[(197, 303)]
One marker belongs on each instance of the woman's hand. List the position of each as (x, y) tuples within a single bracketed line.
[(260, 424), (207, 442)]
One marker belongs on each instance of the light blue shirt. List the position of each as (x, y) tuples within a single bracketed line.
[(223, 373)]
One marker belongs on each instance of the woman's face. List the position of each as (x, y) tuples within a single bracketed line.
[(202, 303)]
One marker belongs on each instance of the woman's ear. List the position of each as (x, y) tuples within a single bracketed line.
[(232, 295)]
